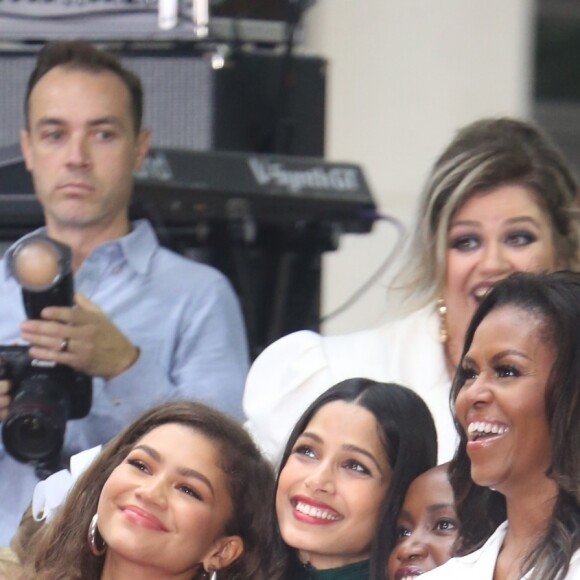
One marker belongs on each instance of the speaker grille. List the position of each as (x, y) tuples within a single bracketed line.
[(257, 102), (178, 97)]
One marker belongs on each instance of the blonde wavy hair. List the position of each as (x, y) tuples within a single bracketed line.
[(483, 156)]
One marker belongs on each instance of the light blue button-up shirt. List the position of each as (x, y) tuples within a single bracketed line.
[(186, 321)]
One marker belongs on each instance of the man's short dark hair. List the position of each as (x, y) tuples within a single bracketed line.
[(78, 55)]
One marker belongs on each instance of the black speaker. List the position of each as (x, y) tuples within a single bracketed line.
[(271, 104), (250, 101)]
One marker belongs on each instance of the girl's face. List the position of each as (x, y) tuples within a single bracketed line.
[(165, 506), (332, 485), (426, 527)]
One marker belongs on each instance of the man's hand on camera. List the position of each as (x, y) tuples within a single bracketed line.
[(5, 399), (82, 337)]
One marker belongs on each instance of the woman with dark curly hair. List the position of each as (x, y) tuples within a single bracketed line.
[(182, 493), (516, 474)]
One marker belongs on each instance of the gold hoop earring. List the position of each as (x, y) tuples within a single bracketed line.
[(443, 328)]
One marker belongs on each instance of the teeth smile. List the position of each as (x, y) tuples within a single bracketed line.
[(481, 292), (315, 512), (482, 428)]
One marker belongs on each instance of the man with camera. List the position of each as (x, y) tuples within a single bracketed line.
[(147, 324)]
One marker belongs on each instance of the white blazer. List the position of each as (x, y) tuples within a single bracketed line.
[(296, 369), (480, 565)]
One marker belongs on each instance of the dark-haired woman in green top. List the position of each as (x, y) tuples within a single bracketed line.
[(343, 477)]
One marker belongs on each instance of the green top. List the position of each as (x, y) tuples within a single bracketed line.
[(356, 571)]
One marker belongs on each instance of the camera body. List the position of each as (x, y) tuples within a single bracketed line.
[(45, 396)]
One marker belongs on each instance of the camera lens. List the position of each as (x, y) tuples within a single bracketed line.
[(33, 436), (35, 425)]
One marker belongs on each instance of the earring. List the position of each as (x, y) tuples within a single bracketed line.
[(443, 328), (97, 545), (213, 575)]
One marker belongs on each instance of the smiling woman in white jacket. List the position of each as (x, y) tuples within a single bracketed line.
[(480, 565), (499, 199), (517, 404)]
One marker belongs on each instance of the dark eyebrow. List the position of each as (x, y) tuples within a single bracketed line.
[(150, 451), (310, 436), (467, 360), (109, 120), (366, 453), (499, 355), (404, 514), (49, 121), (507, 352), (439, 506), (430, 509), (184, 471), (347, 447), (194, 474)]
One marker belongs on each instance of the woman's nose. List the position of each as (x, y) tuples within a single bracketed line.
[(412, 548), (153, 491), (494, 260), (321, 479), (473, 395)]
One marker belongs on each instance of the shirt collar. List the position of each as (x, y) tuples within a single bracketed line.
[(138, 246)]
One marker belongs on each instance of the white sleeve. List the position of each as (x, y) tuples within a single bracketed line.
[(574, 570), (281, 384)]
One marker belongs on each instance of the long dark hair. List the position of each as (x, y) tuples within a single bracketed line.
[(555, 299), (407, 432), (59, 549)]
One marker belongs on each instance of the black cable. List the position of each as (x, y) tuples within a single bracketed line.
[(400, 228)]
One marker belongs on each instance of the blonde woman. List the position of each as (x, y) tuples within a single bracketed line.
[(500, 199)]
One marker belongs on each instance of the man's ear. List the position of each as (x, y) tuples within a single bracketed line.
[(142, 146), (25, 148), (226, 551)]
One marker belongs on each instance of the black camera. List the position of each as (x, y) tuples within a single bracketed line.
[(44, 394)]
